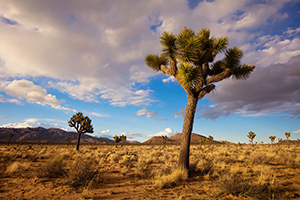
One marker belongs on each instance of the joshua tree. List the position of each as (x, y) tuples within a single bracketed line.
[(82, 124), (68, 139), (251, 135), (165, 139), (118, 139), (187, 57), (210, 139), (10, 135), (287, 135), (272, 138)]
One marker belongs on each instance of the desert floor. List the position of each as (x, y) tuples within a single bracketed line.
[(43, 171)]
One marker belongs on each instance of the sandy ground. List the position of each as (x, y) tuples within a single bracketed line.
[(136, 172)]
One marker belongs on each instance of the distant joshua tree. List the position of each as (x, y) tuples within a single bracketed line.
[(82, 124), (251, 135), (117, 139), (210, 139), (68, 139), (272, 138), (10, 135), (287, 135), (165, 139)]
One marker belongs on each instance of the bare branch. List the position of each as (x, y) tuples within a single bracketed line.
[(206, 90), (219, 77), (166, 70)]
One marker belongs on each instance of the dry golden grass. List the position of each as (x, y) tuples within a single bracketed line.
[(149, 172)]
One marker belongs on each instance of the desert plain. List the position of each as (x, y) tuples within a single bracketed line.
[(217, 171)]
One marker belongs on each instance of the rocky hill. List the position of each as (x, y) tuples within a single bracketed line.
[(51, 135), (176, 139)]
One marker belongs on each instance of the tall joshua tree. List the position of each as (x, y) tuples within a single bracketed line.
[(189, 58), (82, 124)]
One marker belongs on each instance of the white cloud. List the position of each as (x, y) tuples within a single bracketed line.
[(169, 79), (274, 49), (24, 89), (14, 101), (168, 132), (151, 114), (132, 135), (298, 131), (33, 122), (105, 132), (97, 114), (180, 113), (142, 112)]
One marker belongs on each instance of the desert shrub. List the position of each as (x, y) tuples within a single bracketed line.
[(17, 166), (233, 184), (288, 159), (238, 185), (205, 166), (54, 168), (82, 172), (142, 169), (260, 158), (165, 181)]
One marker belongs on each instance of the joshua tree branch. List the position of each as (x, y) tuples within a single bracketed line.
[(219, 77), (166, 70), (206, 90)]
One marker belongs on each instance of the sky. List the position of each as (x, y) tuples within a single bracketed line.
[(62, 57)]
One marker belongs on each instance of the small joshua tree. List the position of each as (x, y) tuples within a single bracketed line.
[(287, 135), (272, 138), (251, 135), (165, 139), (10, 135), (210, 139), (82, 124), (118, 139), (68, 139)]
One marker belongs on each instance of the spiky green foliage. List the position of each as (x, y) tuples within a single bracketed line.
[(167, 40), (197, 49), (188, 74), (155, 61)]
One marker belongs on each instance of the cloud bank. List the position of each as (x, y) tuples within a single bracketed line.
[(270, 90)]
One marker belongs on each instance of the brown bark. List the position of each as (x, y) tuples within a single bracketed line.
[(186, 132), (223, 75), (78, 141)]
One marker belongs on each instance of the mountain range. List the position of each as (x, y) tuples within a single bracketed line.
[(43, 135), (55, 135)]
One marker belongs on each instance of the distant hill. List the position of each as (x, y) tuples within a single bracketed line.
[(176, 139), (43, 135)]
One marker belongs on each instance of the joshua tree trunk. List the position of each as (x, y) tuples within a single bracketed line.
[(186, 132), (78, 142)]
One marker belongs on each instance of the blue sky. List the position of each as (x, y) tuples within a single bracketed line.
[(61, 57)]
